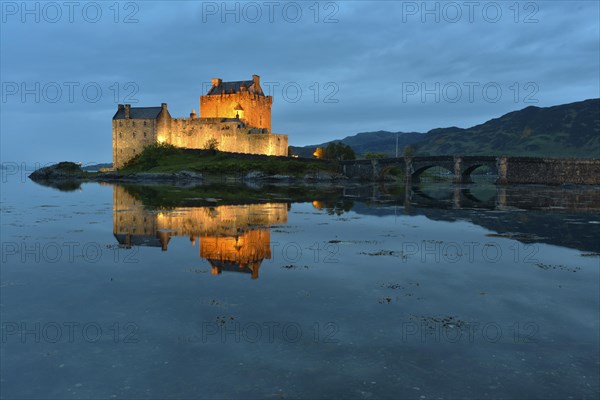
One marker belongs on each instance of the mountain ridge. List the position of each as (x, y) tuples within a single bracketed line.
[(565, 130)]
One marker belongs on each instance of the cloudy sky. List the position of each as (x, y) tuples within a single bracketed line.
[(333, 68)]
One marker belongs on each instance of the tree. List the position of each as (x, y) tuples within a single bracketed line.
[(348, 153), (339, 151), (330, 151), (212, 144)]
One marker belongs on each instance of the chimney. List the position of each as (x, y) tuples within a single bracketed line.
[(193, 114), (216, 81), (164, 106), (127, 111), (121, 107), (256, 80)]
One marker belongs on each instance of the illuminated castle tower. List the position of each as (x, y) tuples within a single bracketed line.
[(239, 99)]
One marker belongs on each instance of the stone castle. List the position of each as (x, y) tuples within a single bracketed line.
[(237, 115)]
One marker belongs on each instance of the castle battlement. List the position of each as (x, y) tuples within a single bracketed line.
[(236, 114)]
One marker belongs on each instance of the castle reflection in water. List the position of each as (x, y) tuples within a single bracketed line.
[(231, 237)]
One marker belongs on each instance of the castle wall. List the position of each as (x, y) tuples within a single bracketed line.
[(231, 136), (257, 109), (130, 136)]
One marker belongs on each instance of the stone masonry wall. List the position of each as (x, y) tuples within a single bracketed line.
[(231, 137), (548, 171), (130, 136), (256, 113)]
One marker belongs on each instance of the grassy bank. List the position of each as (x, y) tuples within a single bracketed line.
[(166, 158)]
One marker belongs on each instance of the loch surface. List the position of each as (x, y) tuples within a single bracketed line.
[(432, 291)]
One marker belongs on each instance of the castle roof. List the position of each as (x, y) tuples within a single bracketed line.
[(230, 87), (139, 113)]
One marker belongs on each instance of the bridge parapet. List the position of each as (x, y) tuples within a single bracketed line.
[(549, 171)]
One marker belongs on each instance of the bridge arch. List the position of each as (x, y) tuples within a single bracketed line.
[(418, 165), (416, 175), (467, 165)]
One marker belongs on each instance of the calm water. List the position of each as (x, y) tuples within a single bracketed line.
[(365, 292)]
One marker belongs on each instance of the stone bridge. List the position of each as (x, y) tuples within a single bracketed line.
[(510, 170)]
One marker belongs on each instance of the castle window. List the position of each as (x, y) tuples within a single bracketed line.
[(120, 123), (120, 134), (133, 123), (133, 134), (144, 123), (144, 132)]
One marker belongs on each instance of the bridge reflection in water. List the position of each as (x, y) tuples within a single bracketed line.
[(231, 237), (489, 197), (566, 217)]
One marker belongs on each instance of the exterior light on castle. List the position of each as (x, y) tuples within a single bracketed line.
[(236, 114), (239, 111)]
